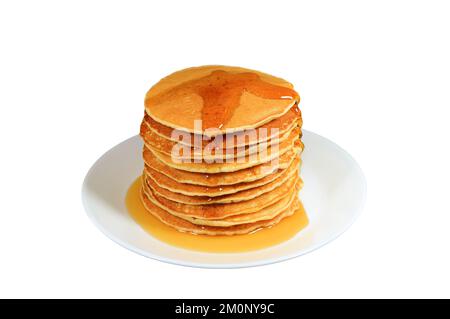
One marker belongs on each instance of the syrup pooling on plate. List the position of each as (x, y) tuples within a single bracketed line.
[(221, 92), (259, 239)]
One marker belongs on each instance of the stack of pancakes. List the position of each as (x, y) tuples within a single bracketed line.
[(234, 172)]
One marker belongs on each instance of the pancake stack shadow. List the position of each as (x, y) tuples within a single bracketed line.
[(218, 183)]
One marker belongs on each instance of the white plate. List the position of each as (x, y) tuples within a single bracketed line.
[(333, 196)]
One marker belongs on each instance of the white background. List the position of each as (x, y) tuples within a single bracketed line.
[(374, 76)]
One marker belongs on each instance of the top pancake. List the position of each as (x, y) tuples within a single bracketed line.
[(226, 99)]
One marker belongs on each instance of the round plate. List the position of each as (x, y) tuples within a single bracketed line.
[(333, 196)]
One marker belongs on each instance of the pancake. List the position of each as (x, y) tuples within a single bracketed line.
[(213, 154), (220, 211), (283, 124), (198, 195), (195, 191), (186, 226), (265, 213), (224, 199), (229, 99), (246, 162), (210, 151), (235, 178)]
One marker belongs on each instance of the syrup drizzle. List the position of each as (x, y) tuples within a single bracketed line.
[(262, 238), (221, 92)]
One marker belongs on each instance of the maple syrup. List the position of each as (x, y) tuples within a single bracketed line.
[(266, 237), (221, 92)]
